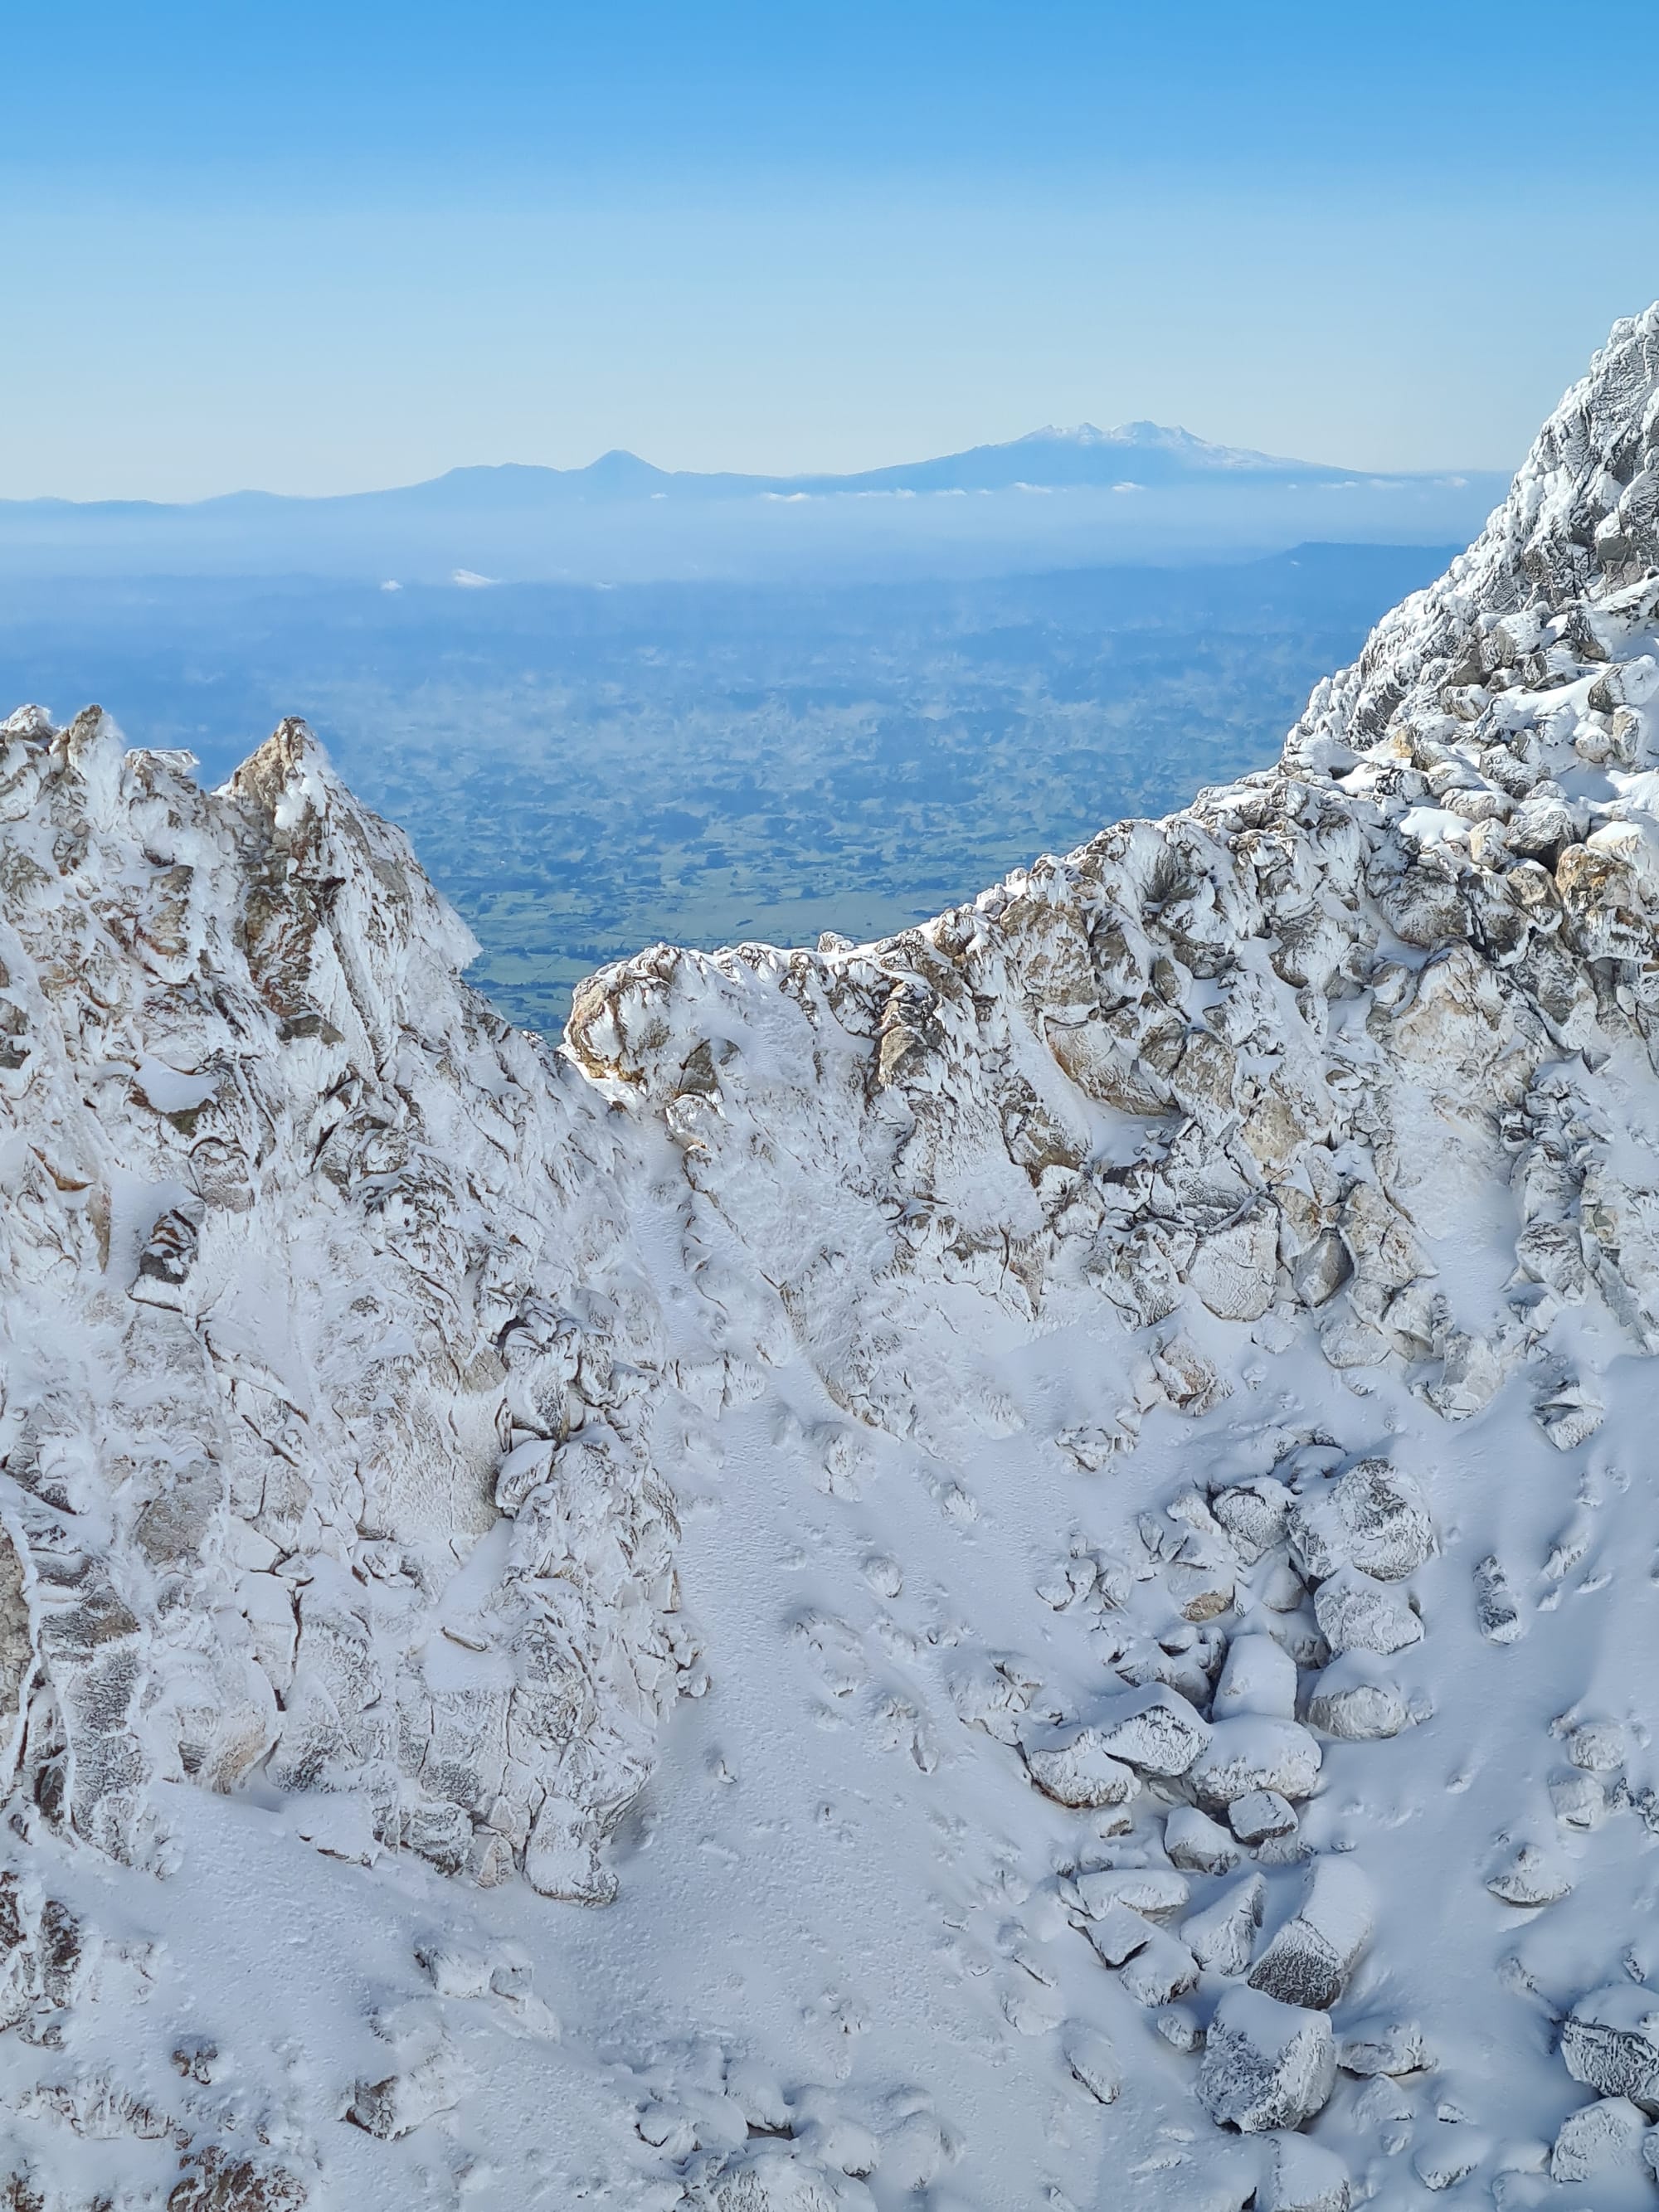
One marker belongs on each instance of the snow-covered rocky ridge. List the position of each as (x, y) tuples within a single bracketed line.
[(1062, 1500)]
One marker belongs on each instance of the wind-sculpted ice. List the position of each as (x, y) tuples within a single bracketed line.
[(1144, 1381)]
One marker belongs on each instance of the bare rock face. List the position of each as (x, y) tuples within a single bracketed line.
[(214, 2183)]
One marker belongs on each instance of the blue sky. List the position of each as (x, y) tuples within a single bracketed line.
[(316, 248)]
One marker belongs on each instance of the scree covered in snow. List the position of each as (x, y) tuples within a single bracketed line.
[(1014, 1568)]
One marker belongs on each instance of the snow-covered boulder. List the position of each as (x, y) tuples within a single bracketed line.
[(1261, 1816), (1530, 1876), (1610, 2042), (1382, 2044), (1254, 1515), (1267, 2065), (1118, 1933), (1081, 1771), (1154, 1730), (1222, 1937), (1160, 1971), (1093, 2061), (1357, 1700), (1301, 2176), (1356, 1613), (1253, 1752), (1153, 1890), (1197, 1844), (1374, 1517), (1603, 2138), (1257, 1676), (1310, 1957)]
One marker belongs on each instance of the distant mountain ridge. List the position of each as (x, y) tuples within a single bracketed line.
[(1134, 455), (1053, 499)]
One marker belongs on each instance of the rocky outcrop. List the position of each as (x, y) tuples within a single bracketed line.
[(330, 1359), (362, 1352)]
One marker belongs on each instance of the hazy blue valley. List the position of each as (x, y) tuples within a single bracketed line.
[(585, 771)]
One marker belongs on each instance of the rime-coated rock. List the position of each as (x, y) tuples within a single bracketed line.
[(1154, 1730), (1496, 1610), (1374, 1518), (1303, 2176), (378, 1338), (1601, 2138), (1081, 1772), (1267, 2065), (1610, 2042), (355, 1347), (1357, 1701), (1356, 1613), (1250, 1752), (1310, 1957), (1222, 1937)]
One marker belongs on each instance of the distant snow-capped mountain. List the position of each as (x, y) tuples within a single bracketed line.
[(622, 518), (1050, 459)]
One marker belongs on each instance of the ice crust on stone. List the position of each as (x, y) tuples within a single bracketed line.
[(1610, 2041), (978, 1494), (1357, 1700), (1303, 2176), (1310, 1957), (1267, 2065)]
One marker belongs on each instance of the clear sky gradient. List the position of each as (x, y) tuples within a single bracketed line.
[(320, 248)]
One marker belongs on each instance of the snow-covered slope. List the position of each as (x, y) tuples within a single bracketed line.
[(1053, 1515)]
